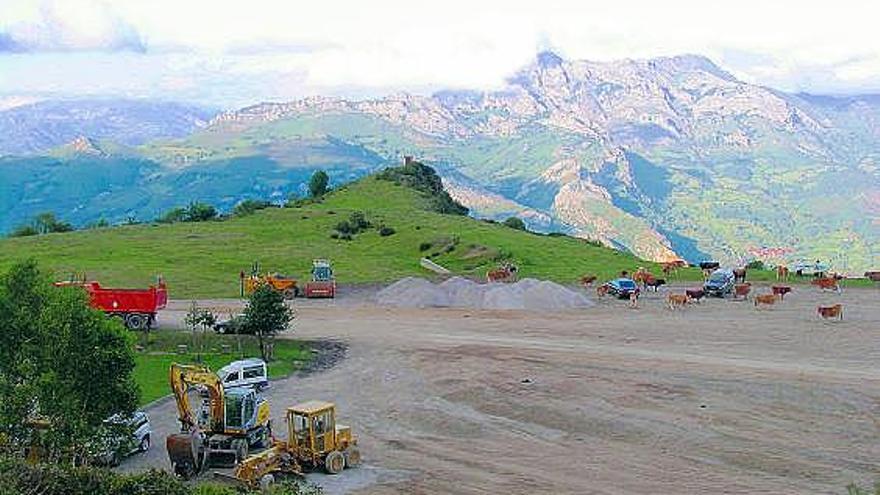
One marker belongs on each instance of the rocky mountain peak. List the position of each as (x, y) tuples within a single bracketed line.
[(83, 145)]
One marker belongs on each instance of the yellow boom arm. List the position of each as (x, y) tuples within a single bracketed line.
[(185, 376)]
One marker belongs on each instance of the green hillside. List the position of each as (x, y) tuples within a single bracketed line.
[(204, 259)]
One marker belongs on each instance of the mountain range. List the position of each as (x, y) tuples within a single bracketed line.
[(667, 157)]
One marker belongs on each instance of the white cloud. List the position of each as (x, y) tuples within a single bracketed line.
[(352, 46)]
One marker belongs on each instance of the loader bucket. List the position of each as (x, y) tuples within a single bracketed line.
[(186, 451)]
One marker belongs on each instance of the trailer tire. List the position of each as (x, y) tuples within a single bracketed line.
[(137, 321)]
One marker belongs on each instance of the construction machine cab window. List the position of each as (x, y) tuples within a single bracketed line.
[(240, 407)]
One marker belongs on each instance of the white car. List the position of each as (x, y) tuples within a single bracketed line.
[(125, 436), (245, 373)]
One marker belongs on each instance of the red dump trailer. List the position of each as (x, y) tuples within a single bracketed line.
[(135, 307)]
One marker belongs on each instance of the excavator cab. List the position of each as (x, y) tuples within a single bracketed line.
[(318, 440)]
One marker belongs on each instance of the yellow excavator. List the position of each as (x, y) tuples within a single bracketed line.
[(314, 440), (230, 421)]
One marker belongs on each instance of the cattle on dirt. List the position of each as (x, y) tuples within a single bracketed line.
[(829, 312), (826, 283), (742, 290), (696, 295), (739, 275), (601, 290), (504, 273), (587, 280), (676, 301), (781, 291), (641, 276), (765, 299), (655, 283), (782, 272)]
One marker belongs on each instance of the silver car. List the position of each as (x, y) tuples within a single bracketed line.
[(125, 436)]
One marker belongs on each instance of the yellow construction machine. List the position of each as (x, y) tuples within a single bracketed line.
[(229, 423), (314, 440)]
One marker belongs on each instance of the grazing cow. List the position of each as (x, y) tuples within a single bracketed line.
[(765, 299), (676, 300), (781, 291), (695, 294), (601, 290), (670, 267), (782, 272), (641, 276), (655, 283), (505, 273), (587, 280), (742, 290), (828, 312), (739, 275), (826, 283), (873, 276)]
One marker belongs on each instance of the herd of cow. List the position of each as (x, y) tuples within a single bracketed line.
[(742, 290)]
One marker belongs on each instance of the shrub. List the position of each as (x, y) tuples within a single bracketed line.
[(44, 223), (346, 237), (249, 206), (334, 235), (344, 227), (359, 222), (386, 231), (23, 231), (200, 212), (318, 184), (425, 179), (515, 223), (425, 246), (756, 265)]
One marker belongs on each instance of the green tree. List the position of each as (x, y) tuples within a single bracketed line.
[(24, 231), (60, 361), (46, 223), (318, 184), (200, 212), (265, 316), (515, 223), (173, 216), (249, 206)]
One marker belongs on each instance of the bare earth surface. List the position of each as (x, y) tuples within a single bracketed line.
[(717, 398)]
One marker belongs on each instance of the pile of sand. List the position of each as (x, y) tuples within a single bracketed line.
[(457, 292)]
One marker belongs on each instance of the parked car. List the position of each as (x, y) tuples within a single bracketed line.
[(122, 437), (229, 325), (622, 287), (245, 373), (720, 283)]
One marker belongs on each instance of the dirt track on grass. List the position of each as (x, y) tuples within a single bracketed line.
[(718, 398)]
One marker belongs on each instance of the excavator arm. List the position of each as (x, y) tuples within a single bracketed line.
[(185, 376)]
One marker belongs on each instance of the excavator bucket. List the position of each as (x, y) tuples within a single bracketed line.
[(187, 453)]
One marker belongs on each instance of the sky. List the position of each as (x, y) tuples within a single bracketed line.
[(231, 53)]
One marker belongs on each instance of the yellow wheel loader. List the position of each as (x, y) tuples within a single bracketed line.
[(314, 440), (230, 422)]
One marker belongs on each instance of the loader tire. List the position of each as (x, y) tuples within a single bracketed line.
[(266, 481), (334, 463), (241, 450), (352, 456), (289, 293)]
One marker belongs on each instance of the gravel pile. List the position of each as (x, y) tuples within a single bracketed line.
[(457, 292)]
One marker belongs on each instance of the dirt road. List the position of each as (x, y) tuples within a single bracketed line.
[(717, 398)]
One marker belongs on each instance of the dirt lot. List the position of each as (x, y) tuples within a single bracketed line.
[(717, 398)]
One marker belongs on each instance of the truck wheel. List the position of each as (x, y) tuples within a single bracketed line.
[(266, 481), (334, 463), (136, 321), (289, 293)]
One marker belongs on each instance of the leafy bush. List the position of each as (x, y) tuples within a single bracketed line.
[(385, 231), (359, 222), (344, 227), (195, 212), (44, 223), (249, 206), (318, 184), (346, 237), (425, 179), (515, 223), (334, 235), (23, 231), (425, 246), (756, 265)]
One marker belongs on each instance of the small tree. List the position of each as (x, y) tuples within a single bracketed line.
[(200, 212), (318, 184), (515, 223), (265, 316)]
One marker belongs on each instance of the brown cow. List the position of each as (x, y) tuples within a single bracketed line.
[(742, 290), (828, 312), (505, 273), (641, 276), (782, 272), (676, 300), (826, 283), (781, 291), (696, 295), (601, 290), (588, 280), (766, 299), (873, 276), (739, 275)]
